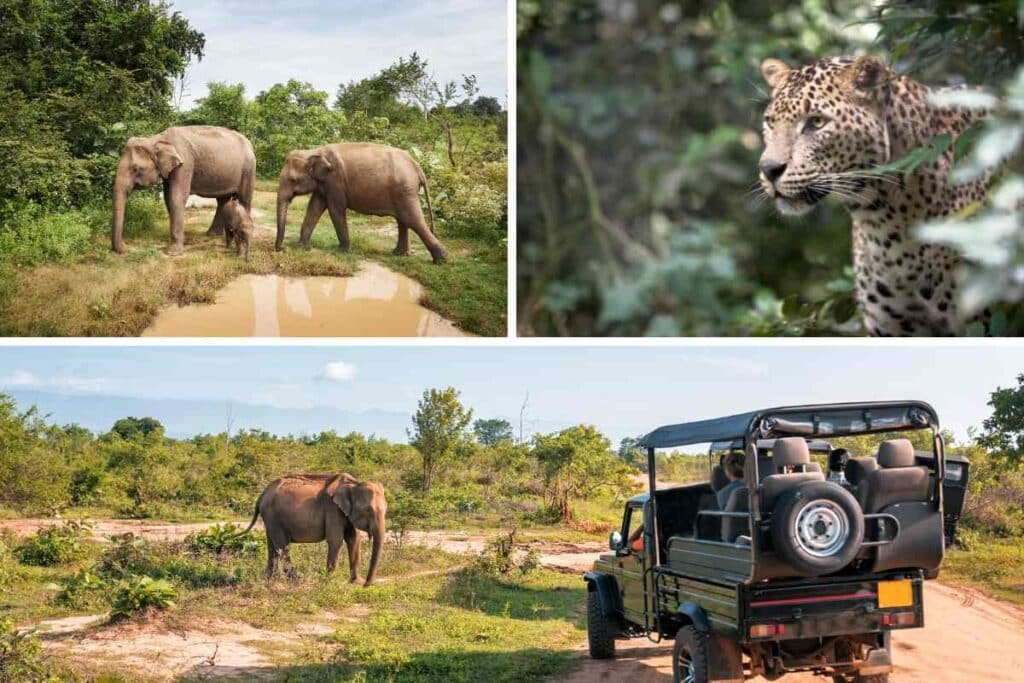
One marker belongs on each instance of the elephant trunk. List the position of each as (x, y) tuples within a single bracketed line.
[(377, 533), (122, 188), (283, 200)]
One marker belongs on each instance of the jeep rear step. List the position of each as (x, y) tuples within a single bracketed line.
[(822, 608)]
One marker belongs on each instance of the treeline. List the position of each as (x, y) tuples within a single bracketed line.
[(78, 79), (454, 465)]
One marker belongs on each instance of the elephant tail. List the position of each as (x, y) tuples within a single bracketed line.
[(426, 191), (255, 516)]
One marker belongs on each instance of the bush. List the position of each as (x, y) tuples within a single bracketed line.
[(472, 201), (80, 589), (127, 556), (137, 593), (21, 656), (53, 545), (499, 557), (32, 237), (224, 539), (8, 565)]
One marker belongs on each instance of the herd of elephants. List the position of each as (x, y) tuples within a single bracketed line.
[(220, 163)]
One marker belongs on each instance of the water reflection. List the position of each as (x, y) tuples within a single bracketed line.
[(375, 302)]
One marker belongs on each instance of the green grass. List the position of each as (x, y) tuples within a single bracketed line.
[(994, 565)]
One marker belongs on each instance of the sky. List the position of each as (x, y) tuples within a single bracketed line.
[(328, 42), (624, 391)]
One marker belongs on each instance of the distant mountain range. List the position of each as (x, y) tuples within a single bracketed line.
[(183, 418)]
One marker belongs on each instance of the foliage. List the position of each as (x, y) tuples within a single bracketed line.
[(1003, 430), (129, 428), (52, 545), (21, 656), (8, 565), (577, 462), (137, 593), (439, 430), (638, 145), (499, 557), (492, 432), (223, 539), (80, 589)]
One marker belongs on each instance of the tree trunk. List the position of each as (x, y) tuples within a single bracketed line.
[(451, 142)]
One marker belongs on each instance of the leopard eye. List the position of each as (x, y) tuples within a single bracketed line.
[(815, 122)]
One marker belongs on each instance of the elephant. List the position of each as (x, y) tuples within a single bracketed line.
[(237, 226), (371, 179), (309, 508), (205, 160)]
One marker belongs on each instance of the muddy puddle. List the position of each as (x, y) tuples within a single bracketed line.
[(375, 302)]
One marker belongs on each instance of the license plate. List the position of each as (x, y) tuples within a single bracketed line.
[(895, 593)]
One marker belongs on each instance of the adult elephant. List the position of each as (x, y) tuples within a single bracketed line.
[(309, 508), (205, 160), (371, 179)]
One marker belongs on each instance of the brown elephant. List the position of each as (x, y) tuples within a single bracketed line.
[(371, 179), (237, 227), (309, 508), (205, 160)]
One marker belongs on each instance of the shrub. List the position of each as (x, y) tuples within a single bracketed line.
[(8, 565), (21, 656), (80, 589), (223, 539), (138, 593), (52, 545), (499, 557), (32, 237), (474, 204), (126, 556)]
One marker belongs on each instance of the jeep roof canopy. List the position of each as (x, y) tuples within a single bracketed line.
[(809, 421)]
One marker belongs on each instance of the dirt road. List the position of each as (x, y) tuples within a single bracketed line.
[(967, 637)]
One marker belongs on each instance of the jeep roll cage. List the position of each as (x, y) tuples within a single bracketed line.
[(746, 430)]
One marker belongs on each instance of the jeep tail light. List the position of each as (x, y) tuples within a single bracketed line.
[(767, 630), (899, 619)]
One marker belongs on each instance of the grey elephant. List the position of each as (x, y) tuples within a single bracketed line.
[(309, 508), (371, 179), (205, 160), (237, 227)]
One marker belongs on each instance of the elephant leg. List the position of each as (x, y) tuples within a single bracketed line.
[(352, 541), (229, 234), (287, 566), (315, 209), (412, 217), (218, 225), (333, 549), (402, 248), (340, 219), (176, 193), (271, 560)]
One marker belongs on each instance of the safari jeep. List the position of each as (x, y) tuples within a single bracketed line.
[(791, 570)]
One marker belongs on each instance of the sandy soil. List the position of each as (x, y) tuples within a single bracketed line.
[(968, 636)]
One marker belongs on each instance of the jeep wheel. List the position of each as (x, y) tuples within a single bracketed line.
[(817, 528), (690, 656), (600, 630)]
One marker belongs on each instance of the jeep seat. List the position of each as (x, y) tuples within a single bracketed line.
[(790, 452), (718, 479), (898, 479), (858, 469)]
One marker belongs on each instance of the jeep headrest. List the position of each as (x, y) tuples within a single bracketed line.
[(896, 453), (790, 452), (858, 469), (718, 479)]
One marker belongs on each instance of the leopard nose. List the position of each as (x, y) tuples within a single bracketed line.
[(771, 169)]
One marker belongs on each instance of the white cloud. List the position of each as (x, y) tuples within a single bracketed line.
[(58, 384), (339, 371), (21, 379)]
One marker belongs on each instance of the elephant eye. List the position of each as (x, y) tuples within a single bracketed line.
[(815, 122)]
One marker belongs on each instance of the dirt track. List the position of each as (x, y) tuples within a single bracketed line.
[(968, 637)]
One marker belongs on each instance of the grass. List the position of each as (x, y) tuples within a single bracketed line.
[(431, 617), (994, 565), (93, 292)]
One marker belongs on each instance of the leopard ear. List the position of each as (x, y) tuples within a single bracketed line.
[(868, 74), (774, 72)]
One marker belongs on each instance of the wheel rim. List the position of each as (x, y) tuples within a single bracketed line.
[(687, 674), (822, 528)]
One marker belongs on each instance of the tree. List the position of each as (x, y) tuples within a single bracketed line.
[(224, 105), (577, 462), (291, 116), (131, 428), (439, 429), (385, 93), (631, 453), (1003, 431), (492, 432)]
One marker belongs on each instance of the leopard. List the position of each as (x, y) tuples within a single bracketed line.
[(833, 128)]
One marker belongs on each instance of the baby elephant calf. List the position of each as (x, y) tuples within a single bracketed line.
[(237, 226)]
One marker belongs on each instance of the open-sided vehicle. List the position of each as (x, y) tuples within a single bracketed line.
[(789, 571)]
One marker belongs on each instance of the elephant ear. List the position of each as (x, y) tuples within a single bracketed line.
[(167, 158), (341, 490), (318, 167)]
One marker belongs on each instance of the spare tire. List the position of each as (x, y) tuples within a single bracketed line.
[(817, 528)]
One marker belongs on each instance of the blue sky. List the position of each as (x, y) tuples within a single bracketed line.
[(327, 42), (623, 390)]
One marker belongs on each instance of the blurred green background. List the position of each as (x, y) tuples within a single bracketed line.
[(638, 140)]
